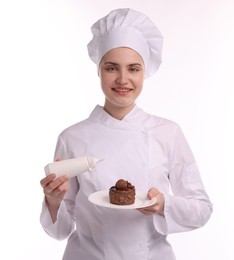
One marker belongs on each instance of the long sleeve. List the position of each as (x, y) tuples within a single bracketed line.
[(62, 228), (64, 225), (188, 207)]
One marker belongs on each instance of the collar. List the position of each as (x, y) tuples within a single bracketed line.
[(134, 120)]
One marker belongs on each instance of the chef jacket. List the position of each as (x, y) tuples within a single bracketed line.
[(147, 151)]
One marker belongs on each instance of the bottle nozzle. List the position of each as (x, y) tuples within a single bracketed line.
[(92, 161)]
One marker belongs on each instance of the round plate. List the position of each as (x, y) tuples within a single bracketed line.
[(101, 198)]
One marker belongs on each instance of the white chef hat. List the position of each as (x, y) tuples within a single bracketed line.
[(125, 27)]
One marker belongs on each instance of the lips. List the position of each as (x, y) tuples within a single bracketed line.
[(122, 90)]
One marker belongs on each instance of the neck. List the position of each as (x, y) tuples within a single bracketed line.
[(118, 112)]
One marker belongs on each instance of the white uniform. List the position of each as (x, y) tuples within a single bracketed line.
[(146, 150)]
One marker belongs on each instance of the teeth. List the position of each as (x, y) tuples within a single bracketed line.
[(122, 90)]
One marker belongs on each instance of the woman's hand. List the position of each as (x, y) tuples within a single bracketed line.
[(158, 207), (54, 190)]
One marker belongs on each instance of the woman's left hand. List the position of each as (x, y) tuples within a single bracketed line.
[(158, 207)]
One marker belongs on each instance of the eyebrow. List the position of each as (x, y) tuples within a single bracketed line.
[(116, 64)]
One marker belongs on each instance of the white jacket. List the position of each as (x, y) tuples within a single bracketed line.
[(146, 150)]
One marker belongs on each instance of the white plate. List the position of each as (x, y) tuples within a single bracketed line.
[(101, 198)]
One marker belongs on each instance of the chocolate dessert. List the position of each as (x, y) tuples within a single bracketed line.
[(123, 193)]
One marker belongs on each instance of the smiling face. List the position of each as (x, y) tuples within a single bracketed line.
[(121, 74)]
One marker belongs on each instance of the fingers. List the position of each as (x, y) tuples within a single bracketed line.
[(57, 192), (150, 210), (56, 184), (158, 207), (47, 179), (54, 189), (152, 193), (146, 212)]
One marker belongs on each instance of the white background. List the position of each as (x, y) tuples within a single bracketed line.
[(47, 83)]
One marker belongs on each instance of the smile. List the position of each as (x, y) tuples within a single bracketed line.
[(122, 90)]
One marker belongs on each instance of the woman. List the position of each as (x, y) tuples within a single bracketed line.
[(148, 151)]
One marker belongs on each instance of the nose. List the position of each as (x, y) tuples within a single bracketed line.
[(121, 78)]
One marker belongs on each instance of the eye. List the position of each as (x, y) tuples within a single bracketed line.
[(134, 69), (111, 68)]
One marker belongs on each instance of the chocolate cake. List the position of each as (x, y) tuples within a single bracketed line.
[(123, 193)]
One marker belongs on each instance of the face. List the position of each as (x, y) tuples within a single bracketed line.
[(121, 74)]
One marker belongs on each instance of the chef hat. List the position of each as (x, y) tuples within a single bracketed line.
[(127, 28)]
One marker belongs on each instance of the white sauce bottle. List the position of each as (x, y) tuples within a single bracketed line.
[(72, 167)]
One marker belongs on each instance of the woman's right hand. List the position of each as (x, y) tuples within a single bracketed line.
[(54, 190)]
